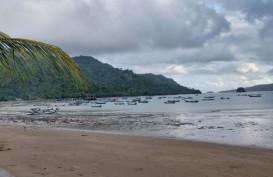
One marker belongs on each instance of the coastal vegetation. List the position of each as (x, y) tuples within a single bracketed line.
[(255, 88), (240, 90), (264, 87), (102, 80), (106, 80), (32, 69), (24, 59)]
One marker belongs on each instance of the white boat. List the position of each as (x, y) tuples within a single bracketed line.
[(254, 95), (169, 102), (49, 111), (119, 103), (144, 101), (131, 103), (191, 100), (39, 111)]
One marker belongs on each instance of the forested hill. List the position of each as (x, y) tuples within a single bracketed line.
[(264, 87), (103, 80), (118, 82)]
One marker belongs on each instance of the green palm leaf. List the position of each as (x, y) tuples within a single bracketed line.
[(22, 58)]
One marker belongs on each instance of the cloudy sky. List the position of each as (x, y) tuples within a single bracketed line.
[(211, 45)]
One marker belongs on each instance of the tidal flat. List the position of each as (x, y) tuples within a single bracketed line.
[(239, 120)]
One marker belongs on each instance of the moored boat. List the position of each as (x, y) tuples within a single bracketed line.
[(131, 103), (39, 111), (119, 103), (96, 106), (100, 102), (169, 102), (191, 100), (208, 99), (255, 95), (143, 101)]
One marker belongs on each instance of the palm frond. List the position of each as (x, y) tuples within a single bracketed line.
[(3, 35), (23, 57)]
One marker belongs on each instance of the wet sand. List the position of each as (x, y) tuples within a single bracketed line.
[(34, 152)]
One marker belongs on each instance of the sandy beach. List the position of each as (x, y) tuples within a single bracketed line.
[(34, 152)]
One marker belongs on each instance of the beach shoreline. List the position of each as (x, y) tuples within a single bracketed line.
[(240, 126), (33, 151)]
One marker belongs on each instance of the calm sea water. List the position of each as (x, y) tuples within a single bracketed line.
[(240, 120)]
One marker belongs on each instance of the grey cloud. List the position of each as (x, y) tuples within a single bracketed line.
[(109, 26), (187, 28), (254, 10), (206, 39), (215, 68), (270, 72), (204, 55), (267, 30)]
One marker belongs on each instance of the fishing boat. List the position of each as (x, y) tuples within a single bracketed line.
[(119, 103), (169, 102), (208, 99), (39, 111), (176, 100), (137, 99), (254, 95), (100, 102), (223, 98), (143, 101), (131, 103), (161, 97), (96, 106), (191, 100), (49, 111)]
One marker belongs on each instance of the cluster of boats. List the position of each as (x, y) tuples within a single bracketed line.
[(40, 110), (134, 101), (187, 100), (191, 99), (45, 108), (250, 95)]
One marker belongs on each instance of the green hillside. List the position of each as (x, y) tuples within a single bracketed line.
[(119, 82), (256, 88), (103, 79)]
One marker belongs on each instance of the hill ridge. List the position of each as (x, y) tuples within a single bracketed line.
[(103, 81), (259, 87), (155, 84)]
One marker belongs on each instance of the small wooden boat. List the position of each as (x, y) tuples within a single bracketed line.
[(208, 99), (144, 101), (39, 111), (254, 95), (96, 106), (100, 102), (191, 100), (169, 102), (119, 103), (131, 103)]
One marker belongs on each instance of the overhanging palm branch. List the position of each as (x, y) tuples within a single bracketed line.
[(23, 57)]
